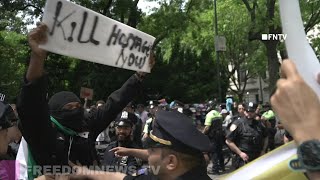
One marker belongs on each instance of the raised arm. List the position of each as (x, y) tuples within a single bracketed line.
[(32, 102), (116, 102)]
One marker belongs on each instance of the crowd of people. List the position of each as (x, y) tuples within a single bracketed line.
[(156, 141)]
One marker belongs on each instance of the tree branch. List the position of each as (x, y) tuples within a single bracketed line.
[(107, 8), (29, 5), (314, 19), (132, 19), (246, 3), (158, 39)]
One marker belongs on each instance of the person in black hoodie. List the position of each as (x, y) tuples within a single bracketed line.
[(56, 131)]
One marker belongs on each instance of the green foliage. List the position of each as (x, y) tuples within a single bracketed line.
[(12, 59), (186, 67)]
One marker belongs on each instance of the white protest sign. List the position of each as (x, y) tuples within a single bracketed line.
[(84, 34), (86, 93), (298, 48)]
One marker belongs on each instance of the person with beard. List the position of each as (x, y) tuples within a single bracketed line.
[(124, 127), (56, 131), (248, 138)]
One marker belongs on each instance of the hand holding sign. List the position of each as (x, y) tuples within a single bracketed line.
[(152, 62), (296, 104), (293, 91), (36, 37)]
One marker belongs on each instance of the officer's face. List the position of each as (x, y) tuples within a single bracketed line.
[(123, 132), (250, 114), (155, 161), (3, 141)]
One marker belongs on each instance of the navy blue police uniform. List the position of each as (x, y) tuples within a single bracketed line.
[(249, 137)]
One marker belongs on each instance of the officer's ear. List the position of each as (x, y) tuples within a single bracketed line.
[(170, 159), (172, 162)]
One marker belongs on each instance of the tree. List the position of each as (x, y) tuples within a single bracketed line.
[(264, 17), (12, 64), (242, 57)]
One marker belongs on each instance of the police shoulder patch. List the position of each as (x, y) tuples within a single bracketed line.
[(233, 127)]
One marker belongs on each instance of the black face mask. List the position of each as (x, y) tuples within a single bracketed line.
[(73, 119)]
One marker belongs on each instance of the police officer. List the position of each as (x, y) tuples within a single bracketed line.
[(124, 124), (248, 139), (213, 129), (175, 149)]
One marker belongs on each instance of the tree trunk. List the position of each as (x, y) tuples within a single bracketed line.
[(240, 96), (273, 63)]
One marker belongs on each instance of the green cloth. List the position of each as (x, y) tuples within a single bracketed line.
[(63, 129), (31, 162), (211, 116), (268, 115)]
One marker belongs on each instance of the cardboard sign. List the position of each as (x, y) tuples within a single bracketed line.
[(84, 34), (86, 93)]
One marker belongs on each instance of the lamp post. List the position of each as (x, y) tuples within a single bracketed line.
[(217, 52)]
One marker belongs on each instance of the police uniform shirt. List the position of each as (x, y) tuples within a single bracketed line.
[(243, 126), (111, 160)]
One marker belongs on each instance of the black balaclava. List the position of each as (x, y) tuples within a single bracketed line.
[(73, 119)]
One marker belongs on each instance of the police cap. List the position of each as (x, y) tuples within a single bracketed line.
[(251, 107), (176, 131), (126, 118)]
